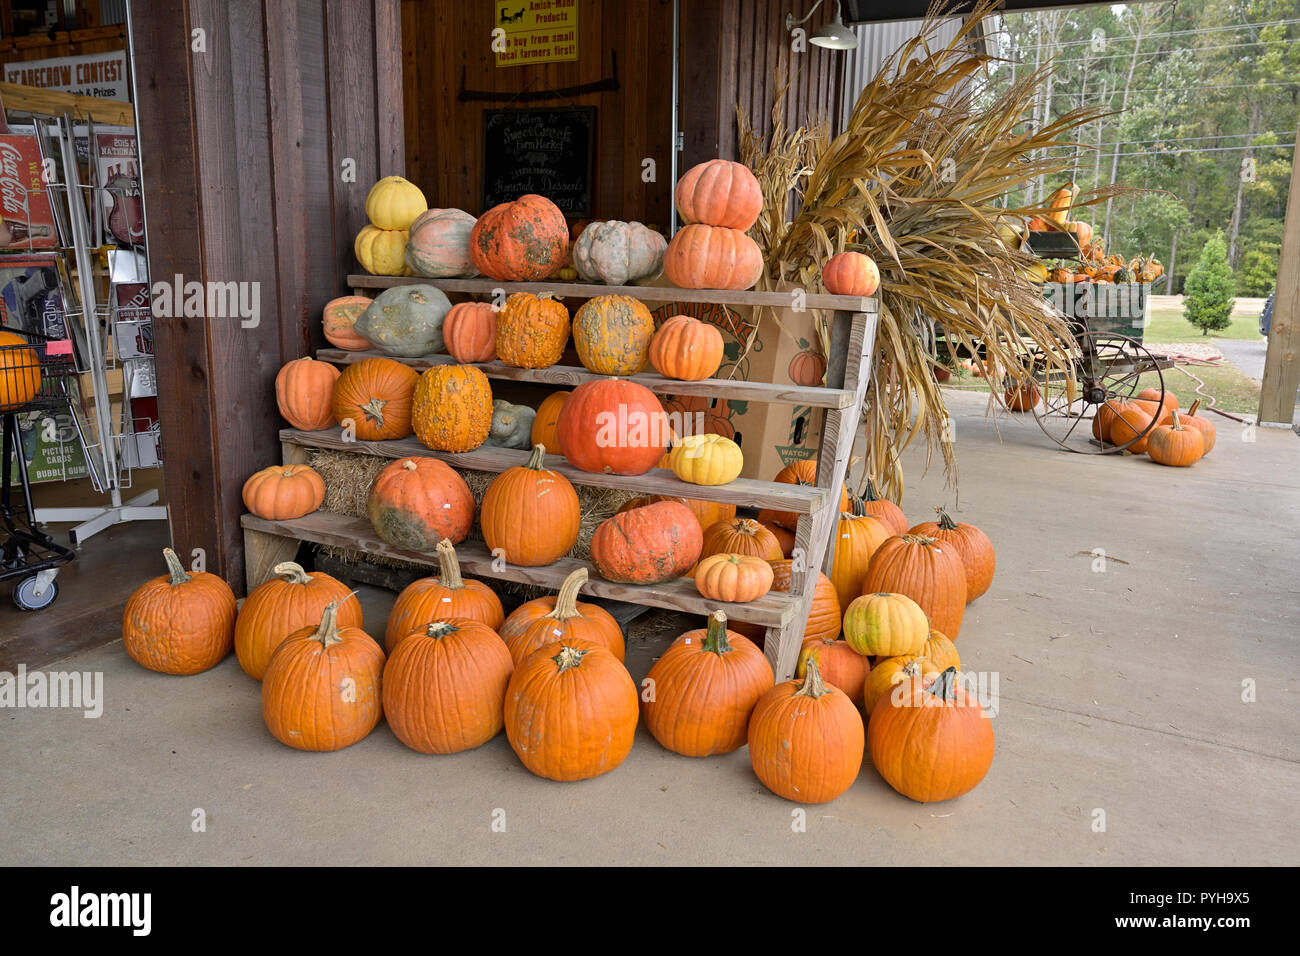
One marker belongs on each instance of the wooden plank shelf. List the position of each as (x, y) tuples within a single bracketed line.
[(799, 499), (569, 376), (646, 293), (775, 609)]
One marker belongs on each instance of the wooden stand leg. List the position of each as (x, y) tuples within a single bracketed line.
[(262, 552)]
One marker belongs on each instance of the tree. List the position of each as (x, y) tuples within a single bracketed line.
[(1208, 294), (1259, 269)]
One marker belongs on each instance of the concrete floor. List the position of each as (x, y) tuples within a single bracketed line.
[(1121, 692)]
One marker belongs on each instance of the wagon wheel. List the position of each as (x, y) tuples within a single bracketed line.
[(1107, 366)]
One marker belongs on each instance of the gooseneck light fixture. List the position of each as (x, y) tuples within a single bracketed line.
[(833, 36)]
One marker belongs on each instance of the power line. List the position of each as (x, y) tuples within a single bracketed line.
[(1203, 49), (1189, 139), (1176, 152), (1174, 33)]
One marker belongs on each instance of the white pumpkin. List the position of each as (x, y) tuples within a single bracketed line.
[(512, 425), (617, 253), (438, 244)]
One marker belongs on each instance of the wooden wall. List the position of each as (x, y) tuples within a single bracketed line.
[(257, 154), (62, 43)]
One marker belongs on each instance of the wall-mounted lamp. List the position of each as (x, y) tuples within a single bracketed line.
[(833, 36)]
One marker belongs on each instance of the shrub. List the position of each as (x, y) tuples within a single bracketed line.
[(1208, 293)]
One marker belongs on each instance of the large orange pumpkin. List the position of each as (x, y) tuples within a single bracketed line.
[(823, 617), (698, 696), (613, 426), (612, 334), (928, 571), (1202, 425), (647, 545), (520, 241), (712, 257), (973, 547), (470, 331), (882, 508), (806, 739), (686, 348), (445, 686), (416, 502), (452, 408), (303, 388), (720, 193), (1175, 444), (546, 620), (288, 602), (284, 492), (529, 514), (840, 665), (707, 513), (571, 711), (532, 330), (179, 623), (375, 394), (545, 430), (933, 745), (446, 596), (339, 319), (321, 689), (803, 472), (1132, 421), (740, 536), (857, 537)]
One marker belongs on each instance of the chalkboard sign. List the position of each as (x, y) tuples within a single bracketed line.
[(547, 152)]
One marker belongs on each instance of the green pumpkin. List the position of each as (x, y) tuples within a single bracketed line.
[(405, 321), (512, 425)]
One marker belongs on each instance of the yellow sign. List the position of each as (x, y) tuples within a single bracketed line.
[(536, 31)]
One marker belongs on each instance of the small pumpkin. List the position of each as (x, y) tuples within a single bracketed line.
[(545, 431), (452, 408), (806, 739), (928, 571), (520, 241), (303, 705), (850, 273), (784, 536), (1022, 397), (935, 744), (740, 536), (707, 460), (712, 257), (288, 602), (394, 203), (1175, 444), (612, 334), (857, 538), (530, 514), (802, 472), (405, 321), (892, 671), (375, 395), (512, 425), (973, 547), (613, 426), (470, 331), (1131, 426), (841, 666), (885, 625), (284, 492), (941, 652), (416, 502), (618, 253), (735, 578), (571, 711), (647, 545), (1159, 396), (1202, 425), (444, 688), (180, 623), (449, 595), (437, 244), (303, 388), (719, 192), (20, 371), (381, 252), (532, 330), (882, 508), (700, 693), (339, 319), (546, 620), (687, 349)]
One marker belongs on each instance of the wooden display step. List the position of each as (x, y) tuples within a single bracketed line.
[(799, 499), (569, 376), (646, 293), (774, 609)]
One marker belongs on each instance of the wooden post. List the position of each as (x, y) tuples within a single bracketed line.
[(1277, 395)]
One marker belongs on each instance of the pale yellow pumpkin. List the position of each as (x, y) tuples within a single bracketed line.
[(394, 203), (381, 252), (706, 460), (885, 625)]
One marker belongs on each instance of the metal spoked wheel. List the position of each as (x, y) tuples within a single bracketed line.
[(1107, 367), (26, 597)]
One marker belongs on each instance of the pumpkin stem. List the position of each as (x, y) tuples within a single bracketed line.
[(1191, 412), (535, 459), (291, 572), (328, 632), (566, 602), (374, 410), (1175, 424), (568, 657), (450, 567), (945, 685), (715, 638), (869, 489), (919, 539), (440, 628), (857, 507), (174, 567), (945, 520), (813, 686)]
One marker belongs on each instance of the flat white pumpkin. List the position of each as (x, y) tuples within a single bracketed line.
[(617, 253)]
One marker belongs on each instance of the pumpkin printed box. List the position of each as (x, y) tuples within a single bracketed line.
[(785, 350)]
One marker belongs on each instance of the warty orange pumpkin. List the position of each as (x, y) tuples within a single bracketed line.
[(532, 330), (179, 623), (452, 408), (612, 334)]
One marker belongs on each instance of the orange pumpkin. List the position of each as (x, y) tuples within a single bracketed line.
[(612, 334), (447, 596), (532, 330), (20, 371), (1175, 444), (928, 571), (1131, 421), (546, 620), (470, 332), (712, 257), (339, 321), (850, 273), (973, 547), (529, 514), (687, 349), (647, 545), (303, 388), (841, 666), (375, 394), (889, 672), (734, 578), (784, 536), (882, 509), (707, 513), (720, 193), (823, 617), (451, 408), (857, 537), (740, 536), (803, 472), (1023, 397), (288, 602), (613, 426), (284, 492), (1202, 425), (416, 502), (179, 623), (545, 431), (520, 241)]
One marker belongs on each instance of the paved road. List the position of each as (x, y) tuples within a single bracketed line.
[(1244, 354)]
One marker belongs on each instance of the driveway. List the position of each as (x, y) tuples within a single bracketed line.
[(1246, 355)]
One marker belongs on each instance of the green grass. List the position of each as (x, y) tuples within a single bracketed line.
[(1168, 325)]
